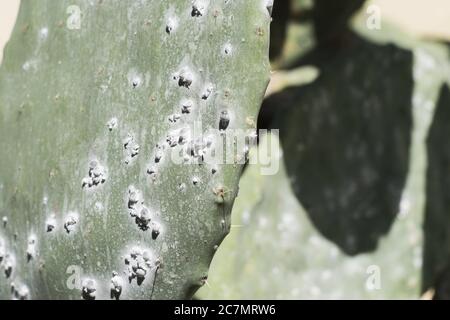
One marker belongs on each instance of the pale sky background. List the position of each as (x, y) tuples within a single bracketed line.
[(429, 18)]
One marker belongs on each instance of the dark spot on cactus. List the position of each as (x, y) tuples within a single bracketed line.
[(184, 78), (195, 181), (151, 171), (224, 120), (50, 224), (168, 29), (8, 266), (213, 170), (2, 251), (70, 223), (184, 81), (182, 138), (156, 230), (196, 11), (172, 140), (203, 280), (88, 291), (140, 276), (186, 106), (227, 49), (31, 248), (174, 117), (158, 156), (136, 82)]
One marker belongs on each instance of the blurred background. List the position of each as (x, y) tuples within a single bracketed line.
[(360, 207)]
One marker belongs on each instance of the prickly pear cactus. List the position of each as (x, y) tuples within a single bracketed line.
[(96, 98)]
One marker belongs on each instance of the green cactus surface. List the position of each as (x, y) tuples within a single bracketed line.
[(95, 97)]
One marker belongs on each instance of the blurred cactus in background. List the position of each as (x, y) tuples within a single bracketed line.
[(353, 135), (94, 99)]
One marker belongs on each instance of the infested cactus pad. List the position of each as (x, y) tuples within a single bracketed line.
[(95, 100)]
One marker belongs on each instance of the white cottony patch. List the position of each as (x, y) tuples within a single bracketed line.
[(30, 65), (224, 119), (31, 248), (268, 5), (199, 8), (177, 137), (182, 187), (142, 218), (71, 222), (50, 223), (2, 250), (43, 33), (112, 123), (207, 90), (134, 79), (171, 25), (116, 286), (156, 229), (20, 292), (137, 210), (186, 106), (131, 147), (184, 77), (227, 49), (139, 262), (159, 153), (9, 263), (5, 221), (89, 289), (152, 172), (96, 175), (134, 197), (174, 118)]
